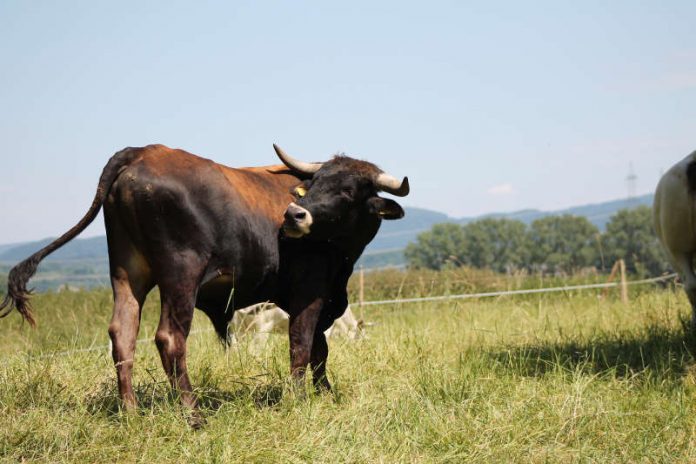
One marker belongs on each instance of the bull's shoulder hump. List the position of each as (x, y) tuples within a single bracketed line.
[(271, 171), (275, 176)]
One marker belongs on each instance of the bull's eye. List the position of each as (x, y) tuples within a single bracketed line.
[(347, 192)]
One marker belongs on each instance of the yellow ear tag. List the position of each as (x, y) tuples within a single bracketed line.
[(300, 191)]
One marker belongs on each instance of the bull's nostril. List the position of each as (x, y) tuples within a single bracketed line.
[(300, 215)]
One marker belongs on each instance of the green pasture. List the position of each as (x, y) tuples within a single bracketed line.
[(567, 377)]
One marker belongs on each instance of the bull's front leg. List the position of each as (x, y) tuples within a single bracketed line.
[(333, 309), (302, 327), (320, 353)]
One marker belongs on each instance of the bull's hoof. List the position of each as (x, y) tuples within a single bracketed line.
[(322, 386), (196, 420), (298, 388), (129, 407)]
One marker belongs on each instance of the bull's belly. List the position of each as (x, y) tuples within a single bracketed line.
[(220, 294)]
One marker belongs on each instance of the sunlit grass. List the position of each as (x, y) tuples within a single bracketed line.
[(560, 378)]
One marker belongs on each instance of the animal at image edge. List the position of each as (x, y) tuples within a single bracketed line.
[(202, 232), (674, 211)]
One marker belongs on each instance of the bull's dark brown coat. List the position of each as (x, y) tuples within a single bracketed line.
[(210, 236)]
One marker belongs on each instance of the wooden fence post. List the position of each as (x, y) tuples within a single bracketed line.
[(624, 285), (612, 276)]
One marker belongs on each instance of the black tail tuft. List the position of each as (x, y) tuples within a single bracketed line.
[(17, 293)]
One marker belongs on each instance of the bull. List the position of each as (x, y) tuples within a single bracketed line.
[(674, 211), (217, 239)]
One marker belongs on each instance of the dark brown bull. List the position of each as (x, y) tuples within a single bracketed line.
[(203, 232)]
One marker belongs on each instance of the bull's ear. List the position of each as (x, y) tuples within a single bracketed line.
[(301, 190), (385, 208)]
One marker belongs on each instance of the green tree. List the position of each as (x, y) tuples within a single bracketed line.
[(443, 245), (630, 236), (564, 243), (497, 244)]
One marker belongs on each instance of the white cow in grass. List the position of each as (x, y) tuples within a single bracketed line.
[(263, 319), (675, 222)]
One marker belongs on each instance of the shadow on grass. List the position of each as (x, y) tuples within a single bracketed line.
[(655, 352), (263, 396), (158, 396)]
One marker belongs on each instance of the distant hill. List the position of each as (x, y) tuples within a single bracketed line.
[(598, 213), (8, 246), (397, 234), (84, 263), (386, 248), (85, 248), (80, 263)]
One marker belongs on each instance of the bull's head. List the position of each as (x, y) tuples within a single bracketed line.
[(339, 196)]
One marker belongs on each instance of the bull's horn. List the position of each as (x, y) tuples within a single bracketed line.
[(392, 185), (295, 164)]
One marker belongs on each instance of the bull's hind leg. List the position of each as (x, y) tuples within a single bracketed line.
[(129, 295), (178, 299), (131, 281)]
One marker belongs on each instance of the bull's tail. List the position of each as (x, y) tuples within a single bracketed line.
[(17, 293)]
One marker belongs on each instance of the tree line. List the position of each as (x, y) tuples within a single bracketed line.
[(553, 244)]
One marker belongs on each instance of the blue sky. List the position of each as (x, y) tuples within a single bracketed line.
[(486, 106)]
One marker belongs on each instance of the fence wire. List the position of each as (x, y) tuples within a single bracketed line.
[(106, 348), (517, 292)]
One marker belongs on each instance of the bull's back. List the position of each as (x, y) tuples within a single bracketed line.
[(172, 192), (173, 203)]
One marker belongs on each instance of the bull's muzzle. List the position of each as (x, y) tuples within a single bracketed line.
[(297, 221)]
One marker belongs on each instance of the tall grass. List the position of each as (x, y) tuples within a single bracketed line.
[(543, 378)]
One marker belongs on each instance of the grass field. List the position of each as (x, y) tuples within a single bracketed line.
[(551, 378)]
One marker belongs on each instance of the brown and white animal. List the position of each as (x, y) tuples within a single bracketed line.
[(674, 211), (203, 232)]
